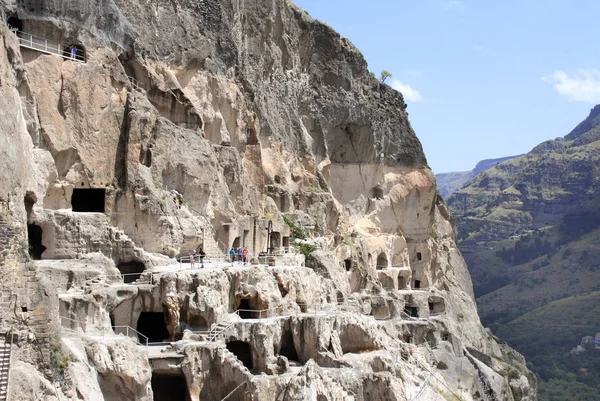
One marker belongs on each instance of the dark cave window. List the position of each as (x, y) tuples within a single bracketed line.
[(88, 200), (243, 352), (153, 326), (34, 237)]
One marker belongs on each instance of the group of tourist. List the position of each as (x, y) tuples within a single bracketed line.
[(241, 254), (194, 257)]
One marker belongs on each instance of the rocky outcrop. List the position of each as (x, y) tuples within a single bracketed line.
[(201, 125)]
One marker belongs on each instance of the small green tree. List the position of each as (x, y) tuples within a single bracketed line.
[(385, 74)]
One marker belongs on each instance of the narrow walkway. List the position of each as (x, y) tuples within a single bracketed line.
[(44, 45)]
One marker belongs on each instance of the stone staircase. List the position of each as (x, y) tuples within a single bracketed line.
[(216, 330), (5, 350)]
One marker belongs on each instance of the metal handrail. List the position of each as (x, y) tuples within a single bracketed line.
[(115, 330), (43, 45), (136, 85), (234, 390)]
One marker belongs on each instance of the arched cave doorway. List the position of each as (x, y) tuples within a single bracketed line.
[(382, 262), (377, 192), (417, 284), (243, 352), (236, 244), (15, 23), (401, 282), (275, 240), (197, 323), (169, 387), (245, 310), (88, 200), (153, 326), (348, 264), (287, 348), (34, 237), (131, 271)]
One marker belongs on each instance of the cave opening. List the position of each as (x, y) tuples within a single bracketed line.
[(74, 52), (417, 284), (15, 23), (285, 243), (408, 339), (411, 311), (146, 157), (419, 256), (287, 348), (275, 241), (153, 326), (245, 310), (34, 238), (236, 244), (401, 282), (88, 200), (348, 264), (377, 192), (169, 387), (382, 262), (131, 271), (197, 323), (242, 351)]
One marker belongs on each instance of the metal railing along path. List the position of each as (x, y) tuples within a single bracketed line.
[(44, 45), (80, 328)]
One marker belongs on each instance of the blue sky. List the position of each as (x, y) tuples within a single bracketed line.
[(482, 78)]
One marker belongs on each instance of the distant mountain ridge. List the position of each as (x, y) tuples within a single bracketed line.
[(528, 228), (448, 183)]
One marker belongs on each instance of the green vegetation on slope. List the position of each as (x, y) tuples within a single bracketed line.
[(556, 328), (529, 229)]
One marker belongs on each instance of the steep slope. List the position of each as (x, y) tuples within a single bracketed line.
[(156, 129), (529, 227), (448, 183)]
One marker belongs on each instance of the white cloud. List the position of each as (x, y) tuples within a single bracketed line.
[(584, 86), (480, 49), (410, 94)]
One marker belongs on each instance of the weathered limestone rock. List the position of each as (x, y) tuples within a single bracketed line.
[(199, 125)]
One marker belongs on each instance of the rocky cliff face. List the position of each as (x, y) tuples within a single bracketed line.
[(270, 126)]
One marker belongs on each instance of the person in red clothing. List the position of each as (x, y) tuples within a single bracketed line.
[(245, 255)]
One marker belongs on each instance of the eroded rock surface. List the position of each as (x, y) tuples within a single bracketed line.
[(210, 125)]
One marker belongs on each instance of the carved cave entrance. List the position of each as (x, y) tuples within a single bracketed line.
[(197, 323), (287, 348), (169, 387), (417, 284), (382, 262), (377, 192), (275, 240), (74, 51), (242, 351), (153, 326), (131, 271), (15, 22), (348, 264), (401, 283), (245, 310), (34, 236), (411, 311), (88, 200)]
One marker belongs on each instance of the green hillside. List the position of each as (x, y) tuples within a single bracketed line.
[(529, 229), (557, 328)]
